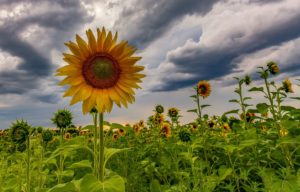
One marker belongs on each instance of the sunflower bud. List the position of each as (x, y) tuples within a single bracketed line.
[(173, 112), (47, 136), (287, 86), (184, 136), (19, 131), (247, 80), (62, 119), (159, 109), (273, 67)]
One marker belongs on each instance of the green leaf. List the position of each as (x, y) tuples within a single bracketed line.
[(114, 183), (262, 108), (247, 98), (193, 96), (81, 164), (261, 89), (66, 187), (224, 172), (232, 111), (234, 101), (155, 186), (109, 152), (193, 111), (203, 106), (287, 108)]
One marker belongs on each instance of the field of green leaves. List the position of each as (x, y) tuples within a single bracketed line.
[(250, 148)]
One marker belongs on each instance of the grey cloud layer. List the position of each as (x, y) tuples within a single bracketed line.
[(147, 20), (60, 17)]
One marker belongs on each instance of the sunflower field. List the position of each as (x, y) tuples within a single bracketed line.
[(251, 148)]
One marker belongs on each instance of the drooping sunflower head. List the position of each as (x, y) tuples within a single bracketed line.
[(159, 109), (101, 71), (273, 67), (173, 112), (248, 80), (62, 118), (47, 136), (203, 88), (287, 86), (166, 130), (19, 131)]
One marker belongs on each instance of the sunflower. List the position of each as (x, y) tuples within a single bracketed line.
[(203, 88), (121, 132), (287, 86), (136, 129), (67, 136), (166, 130), (173, 112), (273, 68), (100, 72)]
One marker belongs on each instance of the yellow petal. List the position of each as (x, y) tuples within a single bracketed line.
[(113, 95), (72, 90), (71, 59), (127, 53), (73, 48), (118, 49), (68, 70), (107, 42), (114, 41), (84, 93), (99, 101), (72, 80), (83, 47), (129, 61), (89, 103), (92, 41)]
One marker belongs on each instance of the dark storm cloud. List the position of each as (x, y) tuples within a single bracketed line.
[(215, 63), (62, 17), (149, 19)]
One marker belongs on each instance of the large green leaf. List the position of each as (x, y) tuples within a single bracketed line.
[(81, 164), (114, 183)]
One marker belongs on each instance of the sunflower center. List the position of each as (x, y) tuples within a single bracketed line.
[(203, 89), (101, 71)]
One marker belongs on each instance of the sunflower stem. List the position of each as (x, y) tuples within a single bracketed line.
[(61, 156), (28, 164), (101, 155), (95, 144)]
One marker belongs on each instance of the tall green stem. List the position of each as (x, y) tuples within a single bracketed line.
[(61, 156), (270, 99), (95, 115), (101, 155), (242, 104), (28, 164), (198, 105)]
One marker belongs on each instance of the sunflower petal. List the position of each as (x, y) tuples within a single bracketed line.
[(118, 49), (92, 41), (73, 48), (83, 47), (83, 94), (107, 42), (72, 90), (89, 103)]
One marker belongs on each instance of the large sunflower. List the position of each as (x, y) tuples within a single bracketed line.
[(100, 72)]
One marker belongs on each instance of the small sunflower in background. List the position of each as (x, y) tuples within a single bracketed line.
[(159, 109), (101, 71), (203, 88), (67, 136), (121, 132), (273, 67), (173, 112), (166, 130), (287, 86), (136, 129), (158, 119), (115, 137)]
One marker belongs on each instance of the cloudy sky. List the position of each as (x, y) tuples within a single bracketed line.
[(181, 42)]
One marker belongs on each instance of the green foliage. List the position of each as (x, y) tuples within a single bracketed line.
[(62, 118)]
